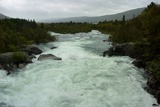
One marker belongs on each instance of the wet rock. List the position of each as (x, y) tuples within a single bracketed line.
[(105, 53), (116, 50), (139, 63), (32, 56), (105, 40), (53, 47), (126, 49), (154, 88), (151, 91), (29, 58), (31, 49), (155, 105), (21, 65), (158, 97), (48, 56), (153, 83)]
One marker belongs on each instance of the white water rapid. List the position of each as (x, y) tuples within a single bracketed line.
[(82, 79)]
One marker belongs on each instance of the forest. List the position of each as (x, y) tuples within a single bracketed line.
[(14, 33)]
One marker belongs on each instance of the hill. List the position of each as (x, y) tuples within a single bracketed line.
[(3, 16), (128, 15)]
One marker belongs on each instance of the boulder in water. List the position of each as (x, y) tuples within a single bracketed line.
[(153, 83), (158, 97), (139, 63), (105, 40), (53, 47), (31, 49), (126, 49), (155, 105), (117, 50), (48, 56)]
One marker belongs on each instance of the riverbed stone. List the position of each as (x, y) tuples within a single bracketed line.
[(155, 105), (153, 83), (48, 56), (22, 65), (125, 49), (151, 91), (31, 49), (53, 47), (158, 97), (139, 63)]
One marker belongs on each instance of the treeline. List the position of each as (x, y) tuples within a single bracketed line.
[(15, 33), (69, 27), (145, 26)]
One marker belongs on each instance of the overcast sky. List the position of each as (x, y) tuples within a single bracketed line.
[(46, 9)]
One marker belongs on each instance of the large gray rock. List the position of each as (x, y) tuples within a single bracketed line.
[(48, 56), (158, 97), (154, 88), (153, 83), (151, 91), (31, 49), (139, 63), (126, 49)]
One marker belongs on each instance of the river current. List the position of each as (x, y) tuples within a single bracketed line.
[(82, 79)]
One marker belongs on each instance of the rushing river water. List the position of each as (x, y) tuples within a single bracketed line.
[(82, 79)]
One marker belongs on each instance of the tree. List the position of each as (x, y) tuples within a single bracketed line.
[(123, 20)]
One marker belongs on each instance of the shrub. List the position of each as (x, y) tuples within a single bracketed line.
[(18, 57)]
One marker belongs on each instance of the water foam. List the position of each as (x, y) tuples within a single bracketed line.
[(82, 79)]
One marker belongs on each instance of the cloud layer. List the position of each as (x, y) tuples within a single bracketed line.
[(45, 9)]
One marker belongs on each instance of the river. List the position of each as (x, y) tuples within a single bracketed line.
[(82, 79)]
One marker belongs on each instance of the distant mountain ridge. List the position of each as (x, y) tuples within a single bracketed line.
[(128, 15), (3, 16)]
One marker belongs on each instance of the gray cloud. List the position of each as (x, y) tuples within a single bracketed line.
[(45, 9)]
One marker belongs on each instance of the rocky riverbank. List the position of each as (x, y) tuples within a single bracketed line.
[(132, 50), (12, 61)]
